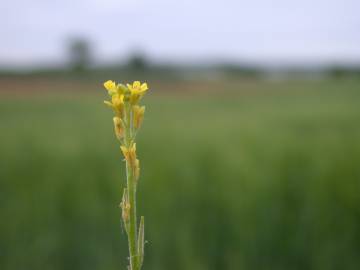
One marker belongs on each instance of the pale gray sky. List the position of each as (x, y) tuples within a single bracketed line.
[(35, 31)]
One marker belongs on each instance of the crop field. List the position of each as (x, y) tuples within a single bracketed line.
[(248, 175)]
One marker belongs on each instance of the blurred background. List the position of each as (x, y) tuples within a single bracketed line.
[(250, 148)]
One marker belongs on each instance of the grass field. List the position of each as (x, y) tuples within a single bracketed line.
[(256, 176)]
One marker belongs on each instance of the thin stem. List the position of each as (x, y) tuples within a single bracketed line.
[(131, 188)]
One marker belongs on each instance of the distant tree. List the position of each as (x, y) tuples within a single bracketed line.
[(79, 53), (137, 62), (344, 71), (234, 69)]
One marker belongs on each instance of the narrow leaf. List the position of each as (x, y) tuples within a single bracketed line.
[(141, 242)]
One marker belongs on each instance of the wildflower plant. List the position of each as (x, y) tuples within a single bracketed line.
[(124, 100)]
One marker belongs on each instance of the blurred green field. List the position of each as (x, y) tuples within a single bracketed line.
[(260, 178)]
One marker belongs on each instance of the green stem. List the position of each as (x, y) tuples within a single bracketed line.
[(131, 188)]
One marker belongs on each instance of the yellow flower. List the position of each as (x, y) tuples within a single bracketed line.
[(137, 90), (110, 86), (117, 104)]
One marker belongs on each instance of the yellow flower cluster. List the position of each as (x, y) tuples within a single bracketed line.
[(128, 117), (121, 95)]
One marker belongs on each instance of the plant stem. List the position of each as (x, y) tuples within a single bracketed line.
[(131, 188)]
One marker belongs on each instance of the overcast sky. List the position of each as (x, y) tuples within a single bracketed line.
[(36, 31)]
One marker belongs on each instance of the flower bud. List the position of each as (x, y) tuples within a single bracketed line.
[(130, 154), (138, 115), (121, 89), (118, 127), (118, 104), (125, 206)]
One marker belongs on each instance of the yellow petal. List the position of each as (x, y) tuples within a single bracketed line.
[(136, 84), (129, 86), (144, 87)]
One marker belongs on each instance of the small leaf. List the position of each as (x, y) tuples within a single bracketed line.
[(141, 242)]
